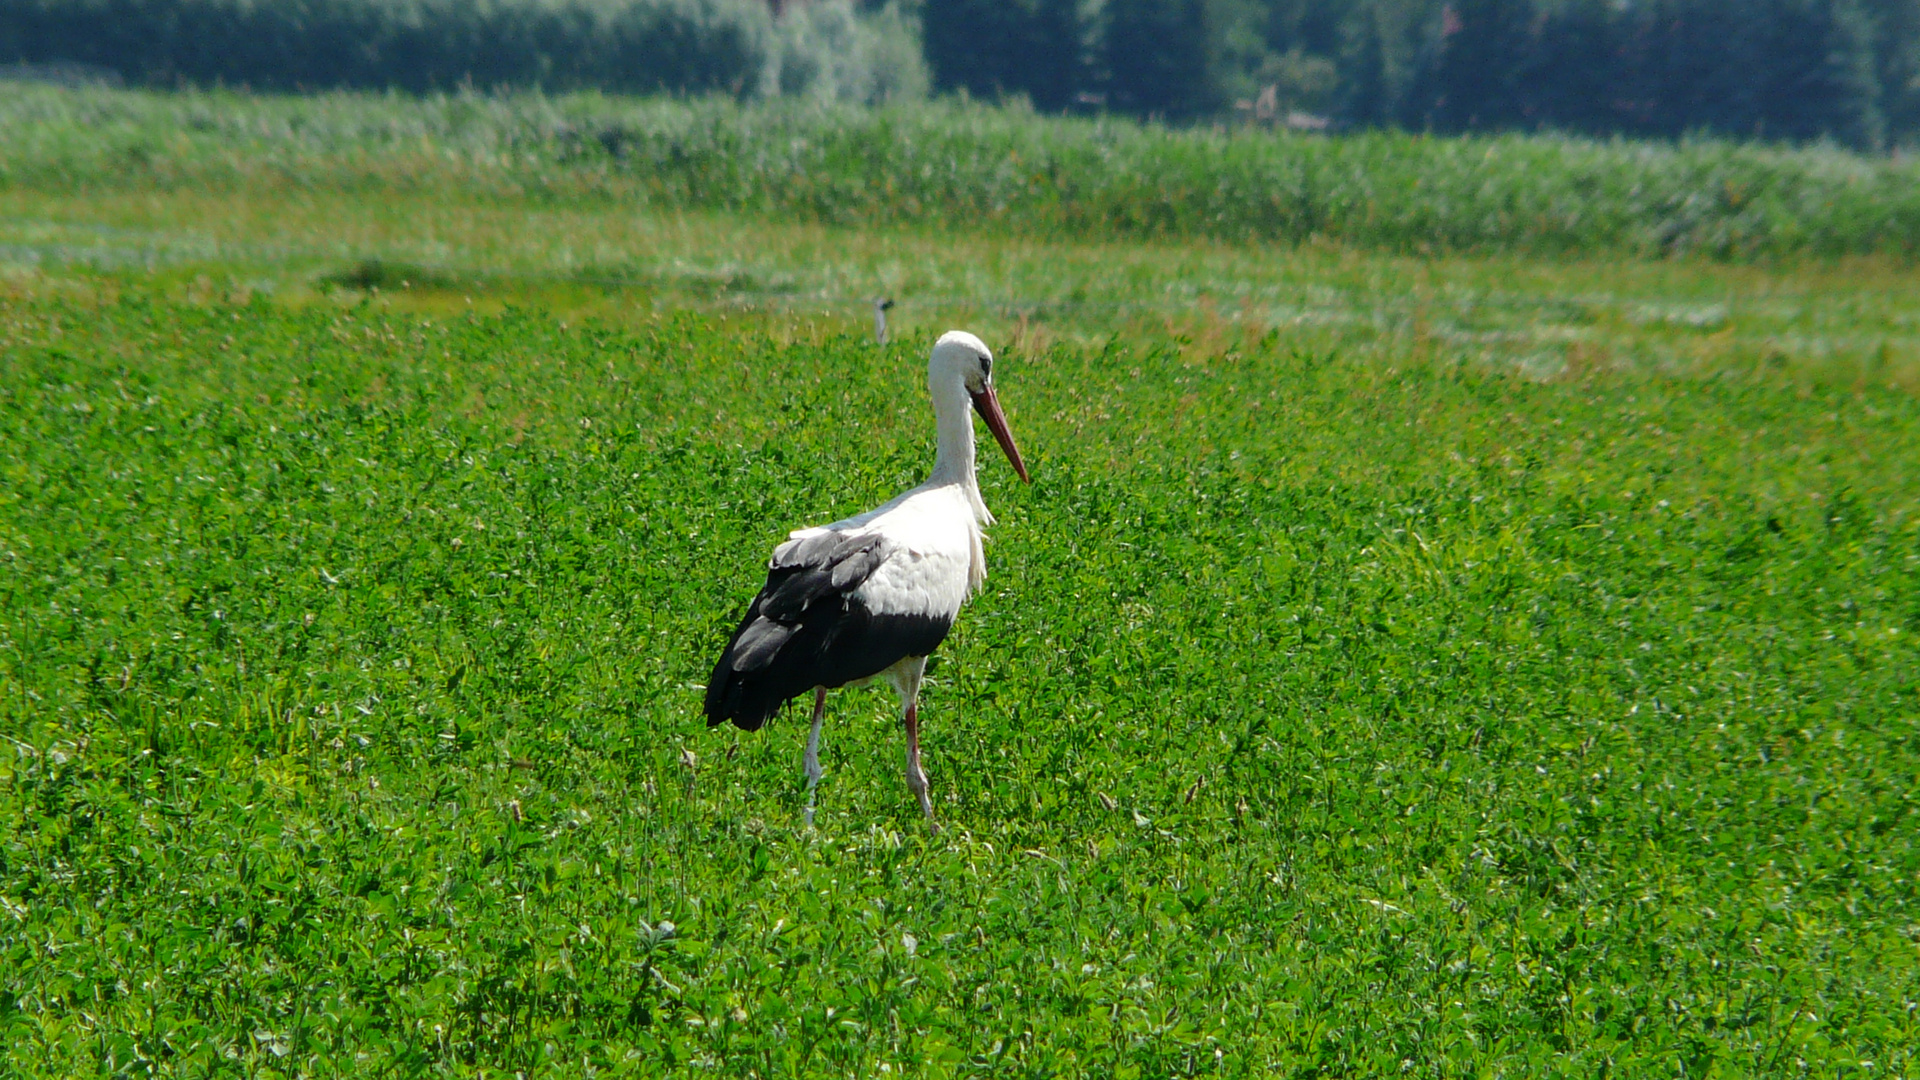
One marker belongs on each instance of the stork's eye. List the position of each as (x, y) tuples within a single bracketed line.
[(986, 366)]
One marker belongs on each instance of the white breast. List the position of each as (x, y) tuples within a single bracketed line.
[(935, 554)]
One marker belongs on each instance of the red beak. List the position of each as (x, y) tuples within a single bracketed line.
[(988, 407)]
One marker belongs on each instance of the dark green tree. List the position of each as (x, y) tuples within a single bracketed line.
[(997, 47), (1573, 82), (1484, 61), (1366, 82), (1774, 69), (1155, 55), (1311, 26), (1849, 77), (1895, 25)]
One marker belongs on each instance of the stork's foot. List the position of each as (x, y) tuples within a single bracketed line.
[(917, 783)]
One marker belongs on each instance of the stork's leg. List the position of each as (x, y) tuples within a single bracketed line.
[(908, 683), (916, 776), (813, 748)]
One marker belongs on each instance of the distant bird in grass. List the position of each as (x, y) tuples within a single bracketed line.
[(871, 596)]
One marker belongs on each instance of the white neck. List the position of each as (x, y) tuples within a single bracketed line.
[(953, 460), (953, 417)]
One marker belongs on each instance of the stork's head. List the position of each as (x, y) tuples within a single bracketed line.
[(960, 356)]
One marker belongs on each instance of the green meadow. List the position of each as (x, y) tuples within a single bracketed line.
[(1491, 660)]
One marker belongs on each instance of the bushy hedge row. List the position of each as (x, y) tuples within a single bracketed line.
[(972, 166), (639, 46)]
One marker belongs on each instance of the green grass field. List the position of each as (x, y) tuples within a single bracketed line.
[(1470, 666)]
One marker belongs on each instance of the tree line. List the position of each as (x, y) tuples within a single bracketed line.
[(1846, 70), (829, 48), (1774, 69)]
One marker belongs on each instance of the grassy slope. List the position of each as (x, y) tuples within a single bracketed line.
[(351, 659)]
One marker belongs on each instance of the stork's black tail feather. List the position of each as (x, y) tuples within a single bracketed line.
[(748, 698), (807, 628)]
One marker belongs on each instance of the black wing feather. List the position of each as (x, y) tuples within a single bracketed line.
[(807, 629), (800, 575)]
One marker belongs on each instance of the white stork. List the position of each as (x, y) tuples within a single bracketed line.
[(871, 596)]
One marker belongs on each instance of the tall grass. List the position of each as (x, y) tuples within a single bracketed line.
[(959, 165)]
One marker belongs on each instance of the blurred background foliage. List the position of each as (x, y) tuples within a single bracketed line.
[(1848, 70), (825, 49), (1778, 70)]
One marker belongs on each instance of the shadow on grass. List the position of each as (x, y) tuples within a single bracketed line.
[(380, 275)]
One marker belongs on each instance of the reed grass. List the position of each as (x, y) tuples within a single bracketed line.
[(969, 166)]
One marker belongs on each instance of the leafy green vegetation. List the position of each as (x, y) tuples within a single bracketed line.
[(971, 167), (1468, 665), (1320, 715)]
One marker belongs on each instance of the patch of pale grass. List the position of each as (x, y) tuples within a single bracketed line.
[(627, 262)]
